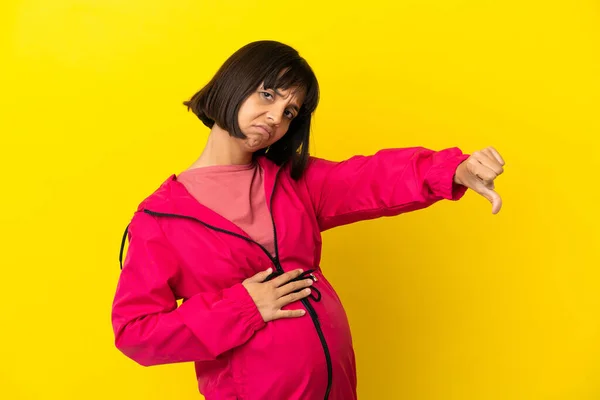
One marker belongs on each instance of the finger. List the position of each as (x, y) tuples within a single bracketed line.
[(286, 277), (495, 163), (289, 314), (496, 155), (475, 167), (292, 297), (487, 159), (260, 277), (292, 287), (484, 174)]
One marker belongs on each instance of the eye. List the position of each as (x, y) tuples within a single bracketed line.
[(266, 95), (289, 114)]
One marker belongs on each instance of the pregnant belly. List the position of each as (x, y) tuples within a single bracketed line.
[(286, 359)]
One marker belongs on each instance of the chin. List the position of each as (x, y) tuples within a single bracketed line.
[(257, 147), (254, 143)]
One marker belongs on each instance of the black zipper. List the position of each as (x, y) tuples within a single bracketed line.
[(309, 307), (275, 260)]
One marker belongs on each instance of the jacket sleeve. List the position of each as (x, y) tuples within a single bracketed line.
[(390, 182), (149, 327)]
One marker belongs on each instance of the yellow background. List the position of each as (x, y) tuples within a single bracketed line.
[(450, 302)]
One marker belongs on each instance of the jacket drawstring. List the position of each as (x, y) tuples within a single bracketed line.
[(303, 275), (123, 246)]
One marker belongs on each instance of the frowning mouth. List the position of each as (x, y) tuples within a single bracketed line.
[(265, 129)]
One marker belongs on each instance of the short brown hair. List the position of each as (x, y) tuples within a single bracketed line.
[(276, 66)]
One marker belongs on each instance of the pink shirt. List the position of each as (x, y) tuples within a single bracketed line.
[(237, 193)]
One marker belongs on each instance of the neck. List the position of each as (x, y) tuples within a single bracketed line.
[(222, 149)]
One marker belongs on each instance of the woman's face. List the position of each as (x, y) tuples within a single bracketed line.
[(266, 114)]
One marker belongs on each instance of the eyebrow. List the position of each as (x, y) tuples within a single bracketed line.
[(294, 106)]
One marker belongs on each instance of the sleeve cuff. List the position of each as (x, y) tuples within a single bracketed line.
[(440, 177), (240, 298), (234, 311)]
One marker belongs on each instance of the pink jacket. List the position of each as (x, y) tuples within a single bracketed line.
[(180, 249)]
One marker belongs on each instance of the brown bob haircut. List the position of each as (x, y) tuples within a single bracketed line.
[(276, 66)]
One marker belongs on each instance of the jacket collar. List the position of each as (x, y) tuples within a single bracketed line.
[(173, 198)]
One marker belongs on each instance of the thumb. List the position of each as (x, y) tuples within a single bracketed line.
[(492, 196), (260, 277)]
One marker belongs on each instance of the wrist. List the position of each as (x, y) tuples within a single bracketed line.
[(458, 174)]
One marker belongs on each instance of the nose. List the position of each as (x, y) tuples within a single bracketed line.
[(274, 115)]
